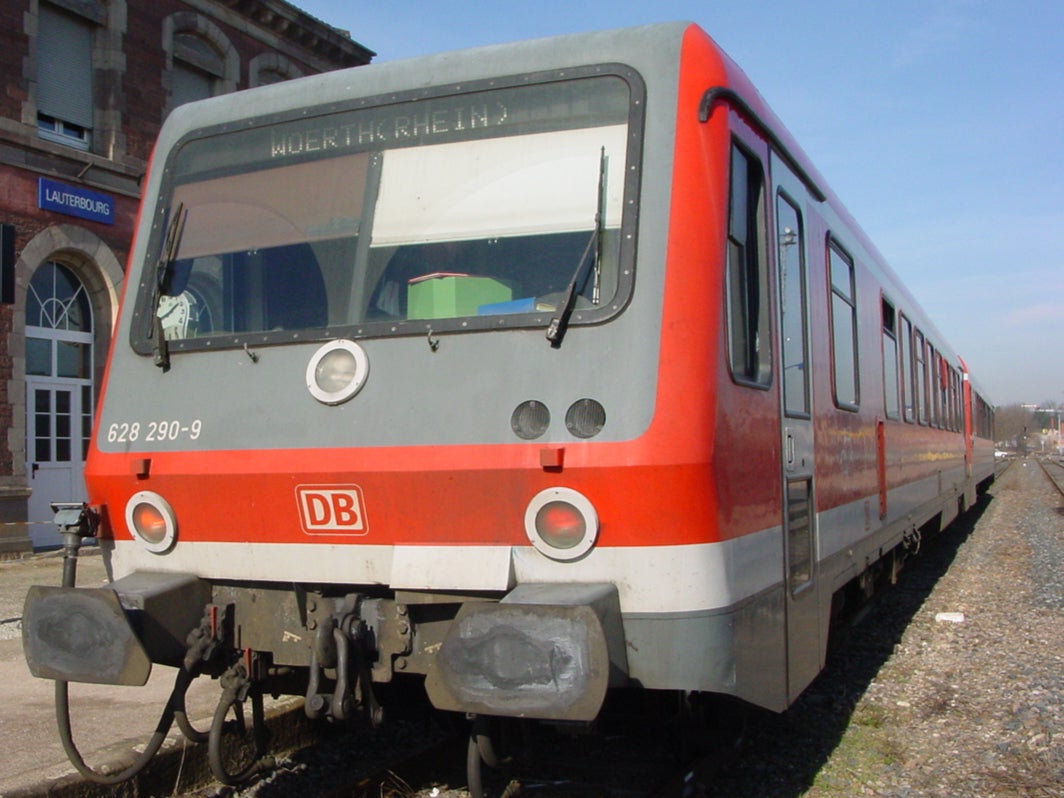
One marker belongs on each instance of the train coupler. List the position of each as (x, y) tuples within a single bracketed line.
[(342, 645)]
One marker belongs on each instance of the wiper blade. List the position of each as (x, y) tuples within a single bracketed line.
[(171, 242), (560, 323)]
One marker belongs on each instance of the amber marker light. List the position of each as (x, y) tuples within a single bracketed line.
[(151, 521)]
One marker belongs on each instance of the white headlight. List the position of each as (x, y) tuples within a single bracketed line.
[(337, 371)]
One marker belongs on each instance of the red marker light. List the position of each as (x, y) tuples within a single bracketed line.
[(149, 523), (561, 525), (151, 520)]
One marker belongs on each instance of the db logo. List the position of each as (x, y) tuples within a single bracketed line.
[(336, 509)]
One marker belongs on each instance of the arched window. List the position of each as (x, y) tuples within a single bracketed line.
[(267, 68), (201, 61), (197, 65), (58, 324)]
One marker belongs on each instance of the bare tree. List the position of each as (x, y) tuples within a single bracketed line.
[(1011, 422)]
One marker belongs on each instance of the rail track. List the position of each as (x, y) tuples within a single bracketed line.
[(1053, 467), (637, 749)]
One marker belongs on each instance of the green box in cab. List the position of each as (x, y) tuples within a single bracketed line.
[(441, 296)]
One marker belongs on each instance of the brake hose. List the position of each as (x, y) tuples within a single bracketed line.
[(62, 714), (71, 545)]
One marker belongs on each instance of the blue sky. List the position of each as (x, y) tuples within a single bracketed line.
[(939, 123)]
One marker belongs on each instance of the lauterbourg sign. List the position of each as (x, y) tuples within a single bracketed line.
[(75, 201)]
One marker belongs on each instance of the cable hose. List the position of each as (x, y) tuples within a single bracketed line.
[(62, 706), (215, 756), (481, 751), (192, 734), (66, 736), (474, 768), (174, 710)]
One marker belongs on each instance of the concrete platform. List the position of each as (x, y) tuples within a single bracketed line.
[(108, 722)]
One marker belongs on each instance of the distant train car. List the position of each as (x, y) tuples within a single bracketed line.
[(528, 371)]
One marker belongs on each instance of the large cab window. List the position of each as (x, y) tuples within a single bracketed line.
[(470, 211)]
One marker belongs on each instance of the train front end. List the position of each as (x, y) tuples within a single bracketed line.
[(383, 394)]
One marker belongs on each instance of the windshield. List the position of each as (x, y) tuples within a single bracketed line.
[(471, 210)]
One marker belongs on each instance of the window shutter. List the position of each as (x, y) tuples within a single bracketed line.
[(64, 67), (189, 84)]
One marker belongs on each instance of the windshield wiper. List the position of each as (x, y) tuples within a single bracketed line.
[(585, 266), (172, 240)]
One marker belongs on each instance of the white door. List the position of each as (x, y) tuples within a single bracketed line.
[(56, 459), (59, 394)]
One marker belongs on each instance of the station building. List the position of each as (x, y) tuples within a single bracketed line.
[(86, 87)]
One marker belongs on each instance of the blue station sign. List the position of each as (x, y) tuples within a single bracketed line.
[(75, 201)]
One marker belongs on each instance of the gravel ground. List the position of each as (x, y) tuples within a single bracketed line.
[(953, 685), (976, 707)]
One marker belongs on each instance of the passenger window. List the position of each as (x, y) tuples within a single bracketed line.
[(890, 361), (843, 328), (750, 352), (947, 401), (920, 368), (934, 361), (908, 395), (960, 402), (790, 239)]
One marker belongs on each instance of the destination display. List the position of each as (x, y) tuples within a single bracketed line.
[(531, 108)]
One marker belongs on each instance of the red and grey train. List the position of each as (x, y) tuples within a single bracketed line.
[(526, 372)]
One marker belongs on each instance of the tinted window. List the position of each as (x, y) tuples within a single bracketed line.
[(791, 240), (890, 361), (749, 349), (481, 206), (843, 327)]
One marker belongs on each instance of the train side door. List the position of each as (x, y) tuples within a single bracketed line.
[(799, 515)]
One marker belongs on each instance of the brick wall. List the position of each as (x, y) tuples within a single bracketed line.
[(133, 49), (14, 46)]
